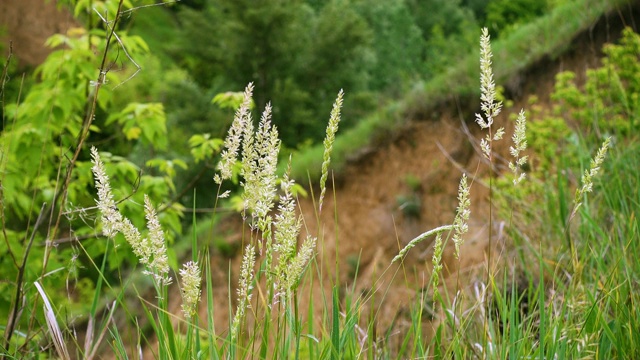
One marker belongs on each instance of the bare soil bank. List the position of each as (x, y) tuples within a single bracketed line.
[(27, 24)]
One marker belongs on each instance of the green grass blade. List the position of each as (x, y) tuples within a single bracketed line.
[(336, 352)]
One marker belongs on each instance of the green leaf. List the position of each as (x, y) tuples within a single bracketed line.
[(202, 147), (132, 133), (56, 40), (230, 100)]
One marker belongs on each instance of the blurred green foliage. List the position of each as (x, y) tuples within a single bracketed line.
[(300, 53), (565, 137), (505, 15), (41, 131), (608, 103)]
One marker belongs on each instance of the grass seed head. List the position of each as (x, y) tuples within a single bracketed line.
[(332, 128), (191, 280)]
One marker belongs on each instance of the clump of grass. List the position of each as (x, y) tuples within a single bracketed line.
[(151, 251), (272, 244), (587, 187)]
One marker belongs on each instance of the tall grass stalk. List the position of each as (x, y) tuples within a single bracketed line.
[(491, 108), (586, 187)]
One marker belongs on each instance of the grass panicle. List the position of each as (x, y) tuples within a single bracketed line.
[(436, 261), (245, 287), (233, 140), (589, 175), (461, 221), (459, 227), (259, 164), (191, 280), (159, 265), (519, 146), (418, 239), (287, 227), (110, 216), (151, 251), (488, 95), (332, 128)]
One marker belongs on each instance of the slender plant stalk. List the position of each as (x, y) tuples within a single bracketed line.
[(61, 196), (13, 317)]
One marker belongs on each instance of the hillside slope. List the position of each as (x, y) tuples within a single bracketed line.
[(420, 166)]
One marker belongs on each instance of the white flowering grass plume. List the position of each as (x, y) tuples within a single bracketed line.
[(589, 175), (489, 105), (332, 128), (260, 151), (491, 108), (259, 158), (245, 286), (291, 262), (276, 234), (519, 146), (191, 280), (461, 221), (232, 141), (587, 187), (287, 226), (159, 264), (151, 251), (110, 216), (259, 164)]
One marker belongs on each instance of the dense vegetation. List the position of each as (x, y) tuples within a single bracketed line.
[(158, 133)]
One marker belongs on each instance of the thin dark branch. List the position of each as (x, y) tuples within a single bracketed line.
[(149, 5), (3, 81), (5, 71), (475, 143), (115, 35), (460, 167), (13, 317), (61, 197)]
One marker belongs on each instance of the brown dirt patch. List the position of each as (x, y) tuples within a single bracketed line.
[(28, 24)]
